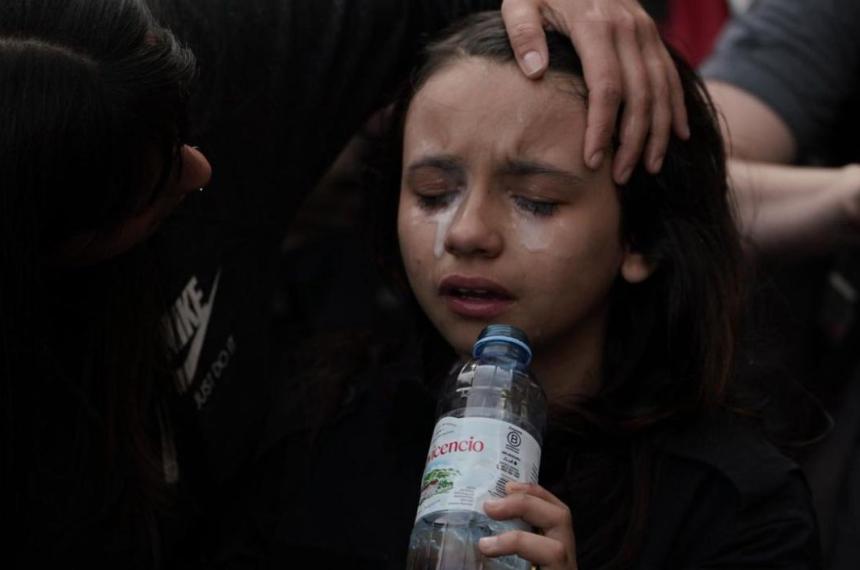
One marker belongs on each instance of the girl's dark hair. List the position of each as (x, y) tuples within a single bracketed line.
[(670, 348), (92, 98)]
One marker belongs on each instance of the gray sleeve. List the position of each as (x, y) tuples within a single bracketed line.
[(801, 57)]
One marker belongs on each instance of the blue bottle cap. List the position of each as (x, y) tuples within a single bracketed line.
[(507, 334)]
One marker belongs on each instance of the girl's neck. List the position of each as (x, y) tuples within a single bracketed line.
[(572, 366)]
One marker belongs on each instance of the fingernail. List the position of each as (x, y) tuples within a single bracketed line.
[(488, 542), (656, 164), (625, 175), (686, 131), (533, 62), (596, 160)]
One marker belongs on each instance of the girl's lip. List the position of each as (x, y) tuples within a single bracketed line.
[(475, 308), (474, 297), (452, 283)]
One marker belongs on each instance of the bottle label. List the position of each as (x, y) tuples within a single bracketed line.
[(471, 459)]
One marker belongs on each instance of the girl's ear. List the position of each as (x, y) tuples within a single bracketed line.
[(635, 267)]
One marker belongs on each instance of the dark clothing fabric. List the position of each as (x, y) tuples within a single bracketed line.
[(721, 496), (730, 500), (282, 86)]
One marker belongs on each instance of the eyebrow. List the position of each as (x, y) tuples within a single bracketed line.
[(451, 164), (530, 168), (445, 162)]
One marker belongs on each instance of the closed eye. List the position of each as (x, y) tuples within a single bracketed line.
[(539, 208), (432, 202), (435, 181)]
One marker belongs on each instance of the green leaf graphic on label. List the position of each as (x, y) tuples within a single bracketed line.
[(437, 481)]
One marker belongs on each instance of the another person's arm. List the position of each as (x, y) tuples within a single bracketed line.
[(751, 128), (782, 74), (780, 78), (789, 209), (781, 208)]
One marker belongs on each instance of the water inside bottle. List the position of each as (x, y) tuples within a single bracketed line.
[(449, 541)]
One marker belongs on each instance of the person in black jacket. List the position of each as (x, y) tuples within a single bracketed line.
[(135, 370)]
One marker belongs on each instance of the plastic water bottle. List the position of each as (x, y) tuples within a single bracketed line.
[(489, 431)]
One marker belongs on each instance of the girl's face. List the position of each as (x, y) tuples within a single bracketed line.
[(499, 220)]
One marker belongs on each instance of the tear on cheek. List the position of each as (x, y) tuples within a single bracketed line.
[(443, 222), (533, 236)]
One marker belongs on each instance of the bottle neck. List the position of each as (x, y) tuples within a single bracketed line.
[(503, 353)]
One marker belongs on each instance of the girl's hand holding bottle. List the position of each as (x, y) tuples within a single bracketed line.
[(552, 547)]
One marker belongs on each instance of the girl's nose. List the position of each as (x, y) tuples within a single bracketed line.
[(475, 228)]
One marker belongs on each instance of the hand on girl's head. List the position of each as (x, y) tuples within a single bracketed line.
[(624, 61), (553, 546)]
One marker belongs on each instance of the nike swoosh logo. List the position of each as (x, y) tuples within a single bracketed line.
[(193, 358)]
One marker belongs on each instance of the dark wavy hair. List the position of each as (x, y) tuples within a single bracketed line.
[(671, 341), (91, 91)]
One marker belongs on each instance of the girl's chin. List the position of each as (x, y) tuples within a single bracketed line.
[(460, 334), (463, 342)]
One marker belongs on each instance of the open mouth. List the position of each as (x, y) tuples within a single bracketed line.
[(475, 297), (475, 294)]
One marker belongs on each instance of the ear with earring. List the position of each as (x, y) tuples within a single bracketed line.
[(196, 171)]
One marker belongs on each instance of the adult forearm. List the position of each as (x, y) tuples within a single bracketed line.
[(787, 209), (759, 181), (752, 129)]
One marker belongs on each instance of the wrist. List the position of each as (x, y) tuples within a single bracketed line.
[(849, 188)]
